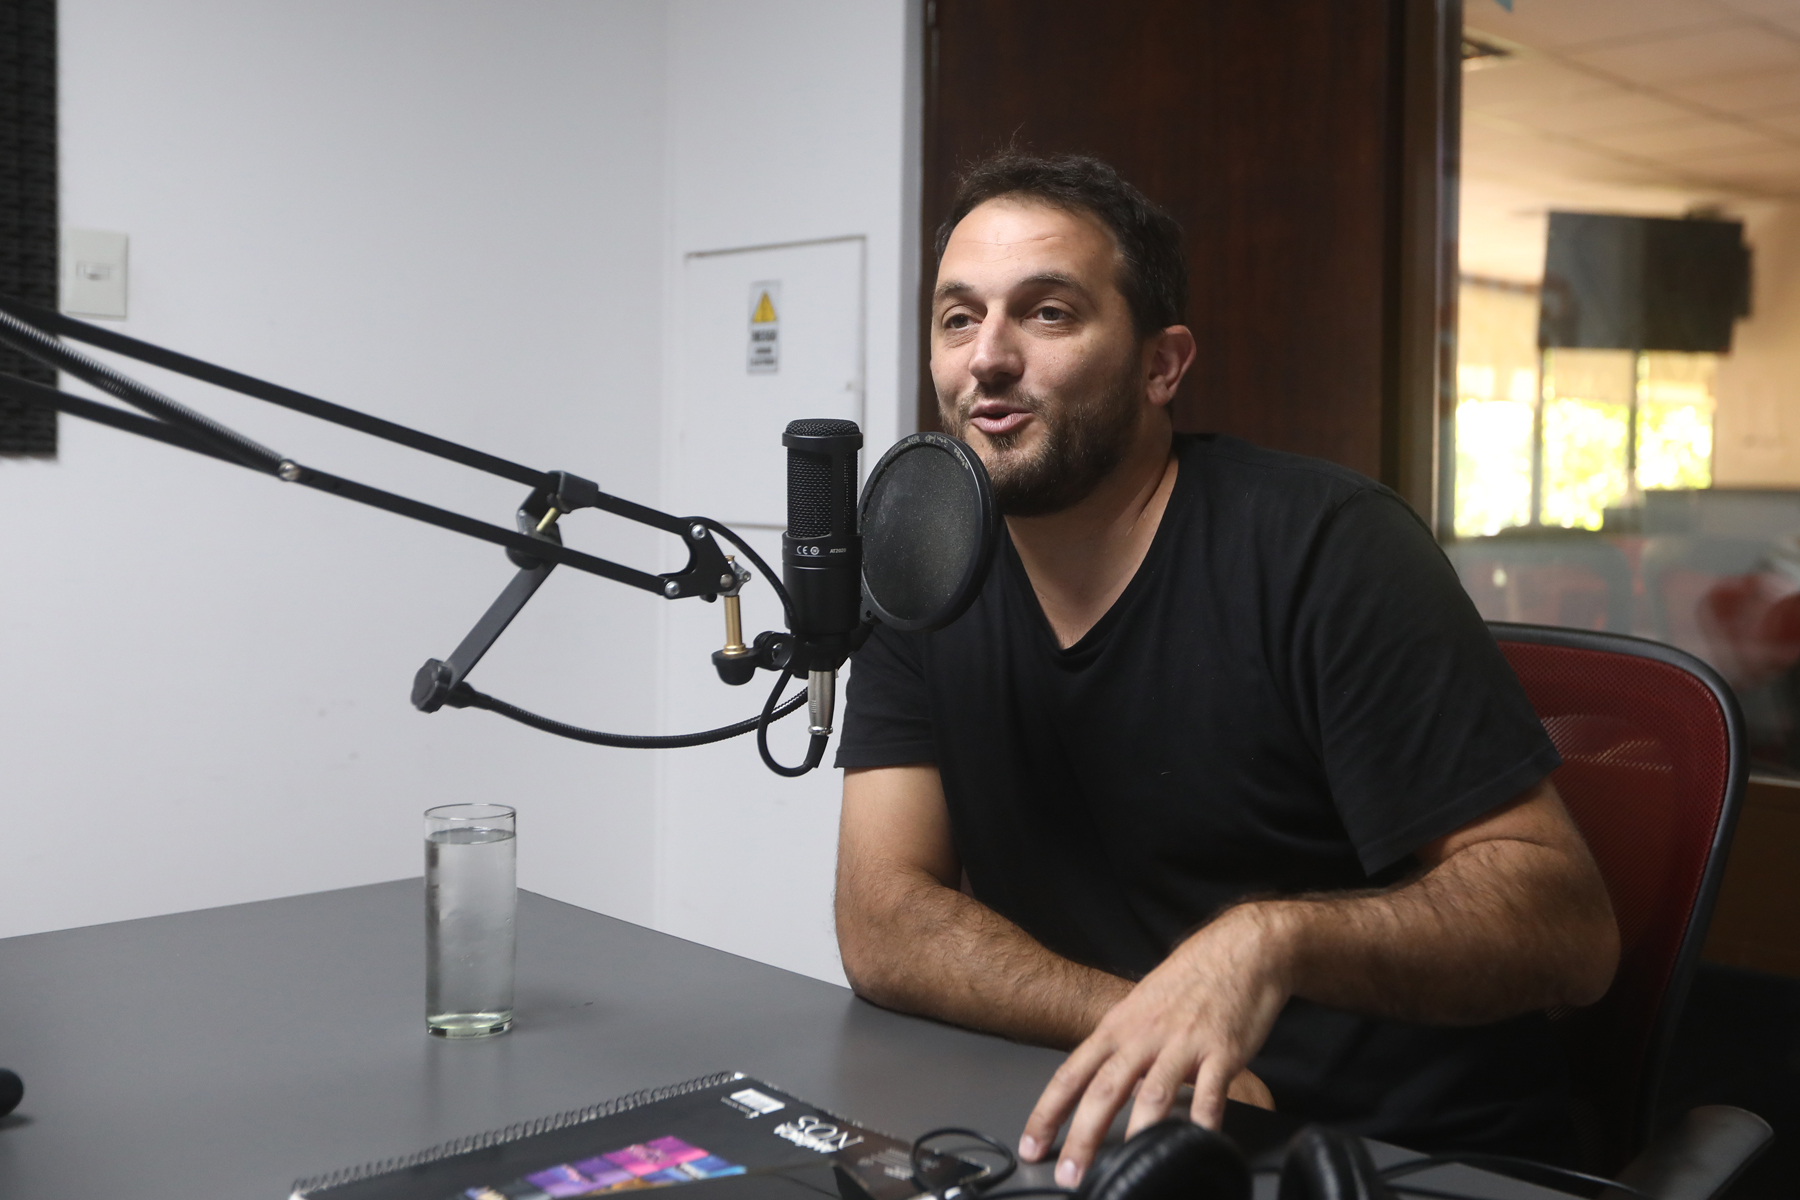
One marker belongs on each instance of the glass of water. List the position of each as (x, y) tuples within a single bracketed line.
[(471, 896)]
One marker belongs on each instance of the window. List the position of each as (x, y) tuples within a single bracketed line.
[(1627, 420)]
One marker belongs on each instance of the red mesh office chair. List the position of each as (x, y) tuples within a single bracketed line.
[(1653, 773)]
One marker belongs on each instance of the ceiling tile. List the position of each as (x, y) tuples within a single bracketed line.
[(1614, 112), (1771, 170), (1750, 93), (1776, 9), (1503, 220), (1564, 24), (1782, 122), (1485, 143), (1614, 108), (1503, 151), (1732, 50), (1529, 83), (1685, 141)]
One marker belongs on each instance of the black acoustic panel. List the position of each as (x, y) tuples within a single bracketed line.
[(1643, 283), (28, 220)]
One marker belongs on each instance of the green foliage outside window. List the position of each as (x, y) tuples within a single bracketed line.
[(1584, 461), (1584, 399)]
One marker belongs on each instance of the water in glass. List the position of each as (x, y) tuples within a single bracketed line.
[(470, 898)]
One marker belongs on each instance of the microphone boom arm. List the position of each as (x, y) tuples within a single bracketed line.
[(535, 547)]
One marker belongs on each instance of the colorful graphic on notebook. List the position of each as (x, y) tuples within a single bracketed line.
[(657, 1163)]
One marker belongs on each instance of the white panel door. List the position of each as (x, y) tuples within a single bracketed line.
[(745, 858), (740, 377)]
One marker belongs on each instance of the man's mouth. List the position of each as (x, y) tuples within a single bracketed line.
[(995, 417)]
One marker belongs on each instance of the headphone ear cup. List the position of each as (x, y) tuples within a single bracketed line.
[(1328, 1164), (1171, 1160)]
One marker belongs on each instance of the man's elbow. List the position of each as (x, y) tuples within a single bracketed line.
[(865, 950), (1593, 945), (861, 968)]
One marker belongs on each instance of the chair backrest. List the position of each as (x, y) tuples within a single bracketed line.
[(1653, 772)]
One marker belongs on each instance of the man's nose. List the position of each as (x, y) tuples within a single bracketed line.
[(996, 359)]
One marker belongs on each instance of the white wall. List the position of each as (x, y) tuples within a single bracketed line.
[(787, 122), (463, 215), (1756, 431), (448, 212)]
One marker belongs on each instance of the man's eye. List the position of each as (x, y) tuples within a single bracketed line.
[(1051, 313), (956, 321)]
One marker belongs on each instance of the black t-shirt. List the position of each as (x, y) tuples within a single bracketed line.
[(1293, 693)]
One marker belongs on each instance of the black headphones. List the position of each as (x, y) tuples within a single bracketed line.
[(1176, 1160), (1171, 1160)]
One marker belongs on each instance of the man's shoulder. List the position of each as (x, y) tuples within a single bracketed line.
[(1245, 477)]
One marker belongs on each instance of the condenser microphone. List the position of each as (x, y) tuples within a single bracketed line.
[(821, 556)]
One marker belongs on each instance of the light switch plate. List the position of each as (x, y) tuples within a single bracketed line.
[(93, 273)]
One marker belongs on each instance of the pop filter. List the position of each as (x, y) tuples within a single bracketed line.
[(929, 528)]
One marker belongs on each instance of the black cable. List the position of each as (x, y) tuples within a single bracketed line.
[(989, 1180), (1496, 1163), (465, 696), (815, 750), (34, 342)]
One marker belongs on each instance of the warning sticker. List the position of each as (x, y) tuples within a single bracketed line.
[(765, 327)]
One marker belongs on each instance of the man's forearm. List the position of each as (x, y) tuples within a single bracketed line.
[(1450, 948), (925, 948), (1510, 915)]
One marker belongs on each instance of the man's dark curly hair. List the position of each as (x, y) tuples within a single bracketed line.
[(1153, 275)]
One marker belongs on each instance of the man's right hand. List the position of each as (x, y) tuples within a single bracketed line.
[(1198, 1018), (1247, 1088), (911, 940)]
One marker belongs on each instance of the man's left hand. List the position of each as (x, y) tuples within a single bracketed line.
[(1197, 1018)]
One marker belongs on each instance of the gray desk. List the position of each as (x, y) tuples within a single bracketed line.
[(225, 1052)]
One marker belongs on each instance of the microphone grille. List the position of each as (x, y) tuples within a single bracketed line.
[(809, 493), (822, 427)]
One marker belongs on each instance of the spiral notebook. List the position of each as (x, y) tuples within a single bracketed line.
[(739, 1138)]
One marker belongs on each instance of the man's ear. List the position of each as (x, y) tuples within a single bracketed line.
[(1167, 356)]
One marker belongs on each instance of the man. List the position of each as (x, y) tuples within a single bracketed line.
[(1221, 780)]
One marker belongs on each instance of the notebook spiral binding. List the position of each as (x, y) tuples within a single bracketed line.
[(304, 1188)]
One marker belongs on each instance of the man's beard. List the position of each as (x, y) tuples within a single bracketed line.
[(1083, 442)]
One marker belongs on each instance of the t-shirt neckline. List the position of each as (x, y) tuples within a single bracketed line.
[(1091, 641)]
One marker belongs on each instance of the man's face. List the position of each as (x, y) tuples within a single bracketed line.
[(1033, 353)]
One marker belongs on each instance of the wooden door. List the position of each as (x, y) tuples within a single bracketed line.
[(1300, 143)]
